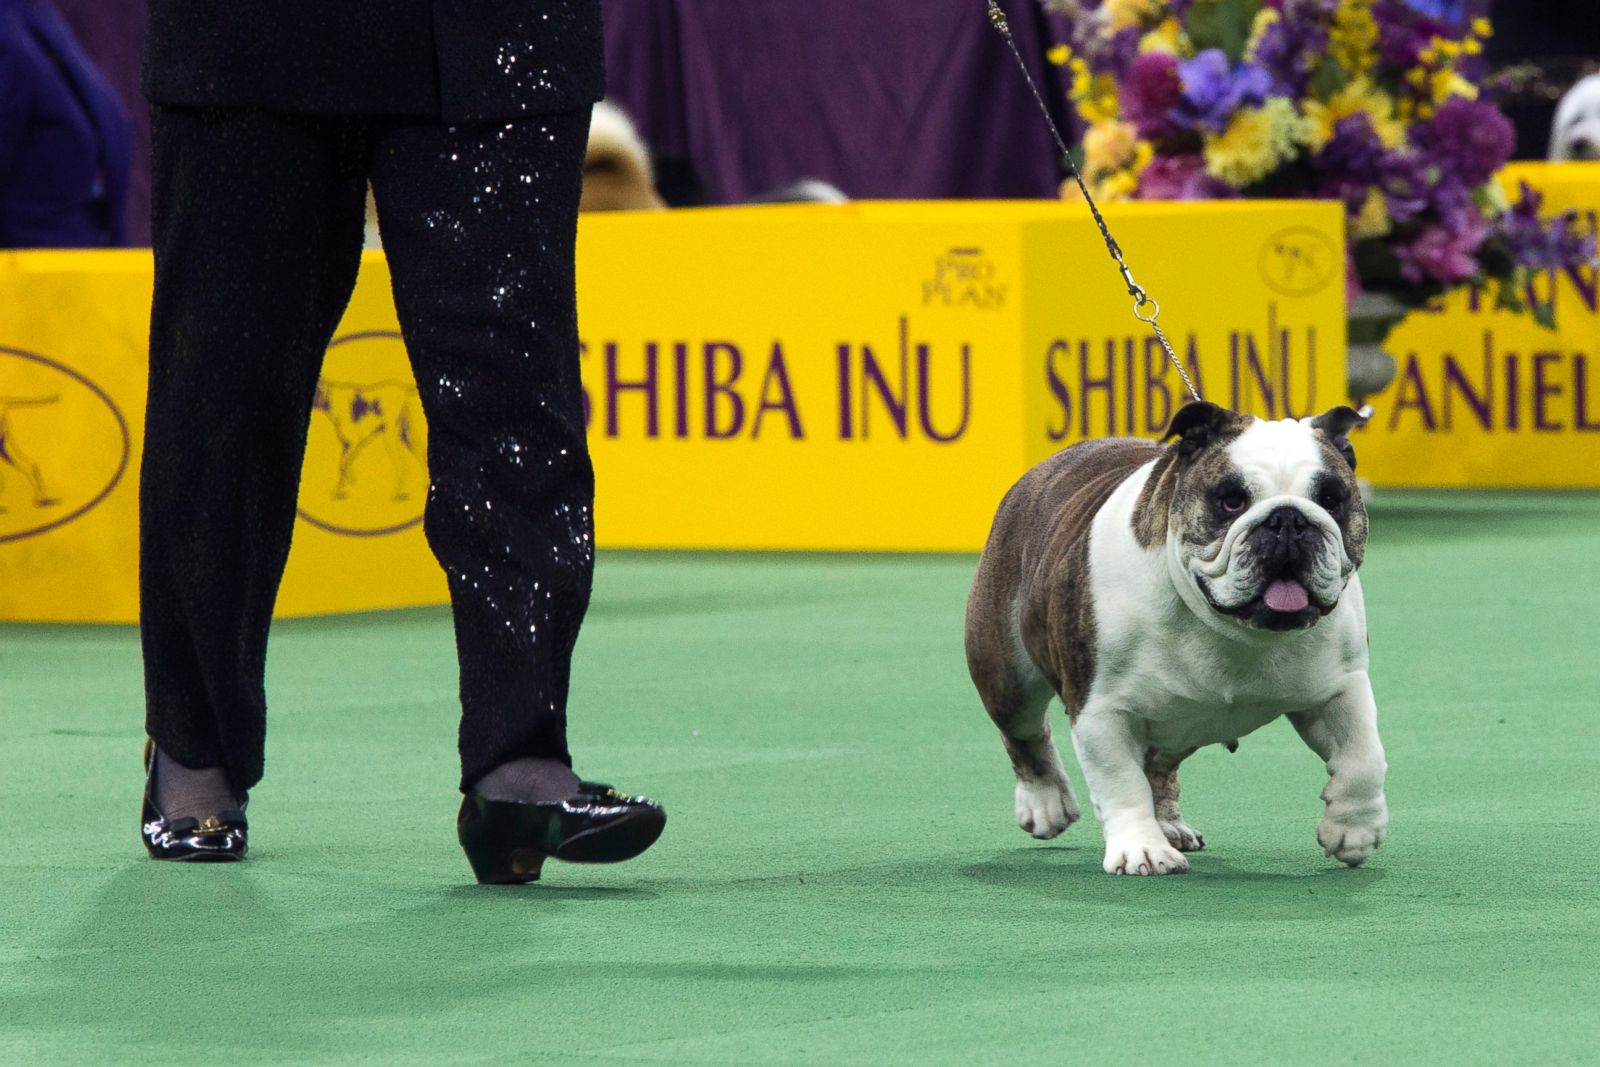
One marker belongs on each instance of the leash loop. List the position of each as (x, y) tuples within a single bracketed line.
[(1141, 299)]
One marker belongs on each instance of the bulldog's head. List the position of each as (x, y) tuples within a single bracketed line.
[(1263, 519)]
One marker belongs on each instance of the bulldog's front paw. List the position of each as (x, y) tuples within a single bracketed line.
[(1350, 837), (1044, 809), (1129, 855), (1182, 836)]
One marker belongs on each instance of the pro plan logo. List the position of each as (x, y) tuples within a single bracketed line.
[(964, 278), (1300, 261), (366, 468), (64, 445)]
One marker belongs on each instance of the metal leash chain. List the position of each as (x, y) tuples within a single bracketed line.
[(1141, 299)]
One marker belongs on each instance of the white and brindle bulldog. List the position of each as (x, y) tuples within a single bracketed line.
[(1176, 596)]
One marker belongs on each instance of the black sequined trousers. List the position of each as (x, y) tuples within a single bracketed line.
[(258, 222)]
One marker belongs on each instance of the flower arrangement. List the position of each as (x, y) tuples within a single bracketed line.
[(1375, 103)]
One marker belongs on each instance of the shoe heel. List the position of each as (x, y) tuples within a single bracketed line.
[(502, 867), (496, 844)]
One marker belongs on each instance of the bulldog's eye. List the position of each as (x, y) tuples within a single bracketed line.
[(1232, 501), (1331, 497)]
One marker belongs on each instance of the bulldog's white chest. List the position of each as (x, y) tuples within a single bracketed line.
[(1186, 694), (1187, 680)]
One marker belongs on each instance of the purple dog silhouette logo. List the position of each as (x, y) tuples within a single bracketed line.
[(1300, 261), (64, 444), (365, 471)]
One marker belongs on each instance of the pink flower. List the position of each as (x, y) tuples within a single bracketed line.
[(1182, 178), (1443, 255), (1150, 92)]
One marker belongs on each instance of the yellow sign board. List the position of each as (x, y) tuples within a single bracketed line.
[(857, 377), (873, 377), (1486, 397)]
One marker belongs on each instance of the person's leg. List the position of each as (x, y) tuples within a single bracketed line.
[(257, 228), (480, 224)]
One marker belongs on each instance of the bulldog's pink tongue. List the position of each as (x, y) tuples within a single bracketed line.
[(1286, 594)]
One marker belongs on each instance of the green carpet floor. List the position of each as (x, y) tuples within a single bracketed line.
[(841, 880)]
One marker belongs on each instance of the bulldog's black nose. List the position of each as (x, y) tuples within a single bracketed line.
[(1284, 540), (1286, 520)]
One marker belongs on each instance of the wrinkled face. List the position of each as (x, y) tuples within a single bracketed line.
[(1268, 523)]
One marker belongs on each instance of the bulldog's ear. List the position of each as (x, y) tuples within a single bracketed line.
[(1197, 424), (1336, 423)]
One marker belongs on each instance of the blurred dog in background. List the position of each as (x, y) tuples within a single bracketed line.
[(616, 172), (1575, 134)]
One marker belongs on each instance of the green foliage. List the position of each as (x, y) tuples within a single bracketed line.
[(1223, 24), (1329, 77)]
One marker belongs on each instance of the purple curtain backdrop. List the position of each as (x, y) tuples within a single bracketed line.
[(883, 98), (112, 33)]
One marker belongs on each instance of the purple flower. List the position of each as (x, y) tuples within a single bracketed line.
[(1182, 177), (1292, 45), (1149, 94), (1212, 91), (1121, 50), (1442, 255), (1351, 160), (1102, 53), (1404, 31), (1406, 184), (1537, 246), (1468, 139), (1452, 203)]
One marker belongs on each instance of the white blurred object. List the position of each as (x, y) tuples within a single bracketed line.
[(616, 170), (1575, 134), (804, 191)]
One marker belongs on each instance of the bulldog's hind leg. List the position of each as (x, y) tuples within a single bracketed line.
[(1013, 691), (1019, 706), (1163, 774)]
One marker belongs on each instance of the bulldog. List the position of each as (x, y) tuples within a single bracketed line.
[(1173, 596)]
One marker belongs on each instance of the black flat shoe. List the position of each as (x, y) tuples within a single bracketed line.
[(218, 838), (507, 841)]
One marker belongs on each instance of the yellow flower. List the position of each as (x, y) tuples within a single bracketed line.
[(1264, 20), (1108, 145), (1353, 37), (1123, 14), (1358, 97), (1373, 218), (1448, 83), (1119, 186), (1094, 95), (1113, 160), (1256, 142), (1167, 38), (1059, 55)]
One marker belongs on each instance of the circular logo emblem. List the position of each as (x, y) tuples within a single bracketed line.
[(365, 471), (64, 445), (1300, 261)]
